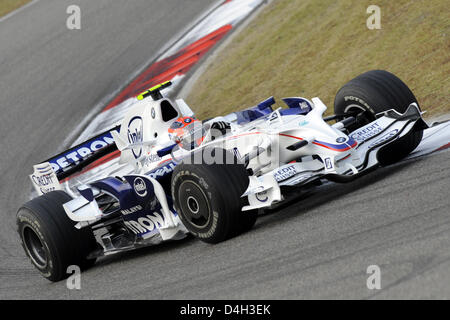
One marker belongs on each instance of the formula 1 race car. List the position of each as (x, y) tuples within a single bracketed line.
[(210, 178)]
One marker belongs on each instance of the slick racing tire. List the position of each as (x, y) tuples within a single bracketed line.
[(50, 238), (208, 198), (374, 92)]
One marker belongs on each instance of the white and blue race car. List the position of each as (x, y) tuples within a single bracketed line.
[(180, 176)]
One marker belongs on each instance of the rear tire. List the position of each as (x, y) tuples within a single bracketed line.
[(50, 238), (374, 92), (208, 199)]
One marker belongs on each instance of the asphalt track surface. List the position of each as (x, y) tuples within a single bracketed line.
[(320, 247)]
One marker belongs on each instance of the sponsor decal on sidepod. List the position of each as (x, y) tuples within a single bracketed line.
[(140, 187), (146, 224), (131, 210), (161, 172)]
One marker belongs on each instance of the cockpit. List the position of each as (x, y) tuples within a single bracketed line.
[(296, 106)]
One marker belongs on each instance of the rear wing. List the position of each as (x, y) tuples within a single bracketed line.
[(72, 161)]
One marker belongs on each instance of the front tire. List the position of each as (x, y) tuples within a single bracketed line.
[(371, 93), (50, 238)]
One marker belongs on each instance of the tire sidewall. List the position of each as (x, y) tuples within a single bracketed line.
[(374, 91), (351, 98), (25, 218), (215, 204), (63, 244), (352, 102)]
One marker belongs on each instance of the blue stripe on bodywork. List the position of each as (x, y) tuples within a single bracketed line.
[(351, 143)]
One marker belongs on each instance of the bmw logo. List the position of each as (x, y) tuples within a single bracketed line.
[(341, 140), (153, 113)]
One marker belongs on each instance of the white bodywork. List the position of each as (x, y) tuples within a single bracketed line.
[(272, 167), (262, 144)]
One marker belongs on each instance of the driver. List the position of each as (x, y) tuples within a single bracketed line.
[(189, 133)]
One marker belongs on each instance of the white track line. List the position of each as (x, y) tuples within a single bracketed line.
[(13, 13)]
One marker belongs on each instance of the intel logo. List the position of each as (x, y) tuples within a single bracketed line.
[(140, 187), (135, 134)]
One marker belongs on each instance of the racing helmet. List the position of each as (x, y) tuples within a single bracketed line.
[(187, 132)]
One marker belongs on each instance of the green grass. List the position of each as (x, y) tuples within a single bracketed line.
[(312, 47), (6, 6)]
